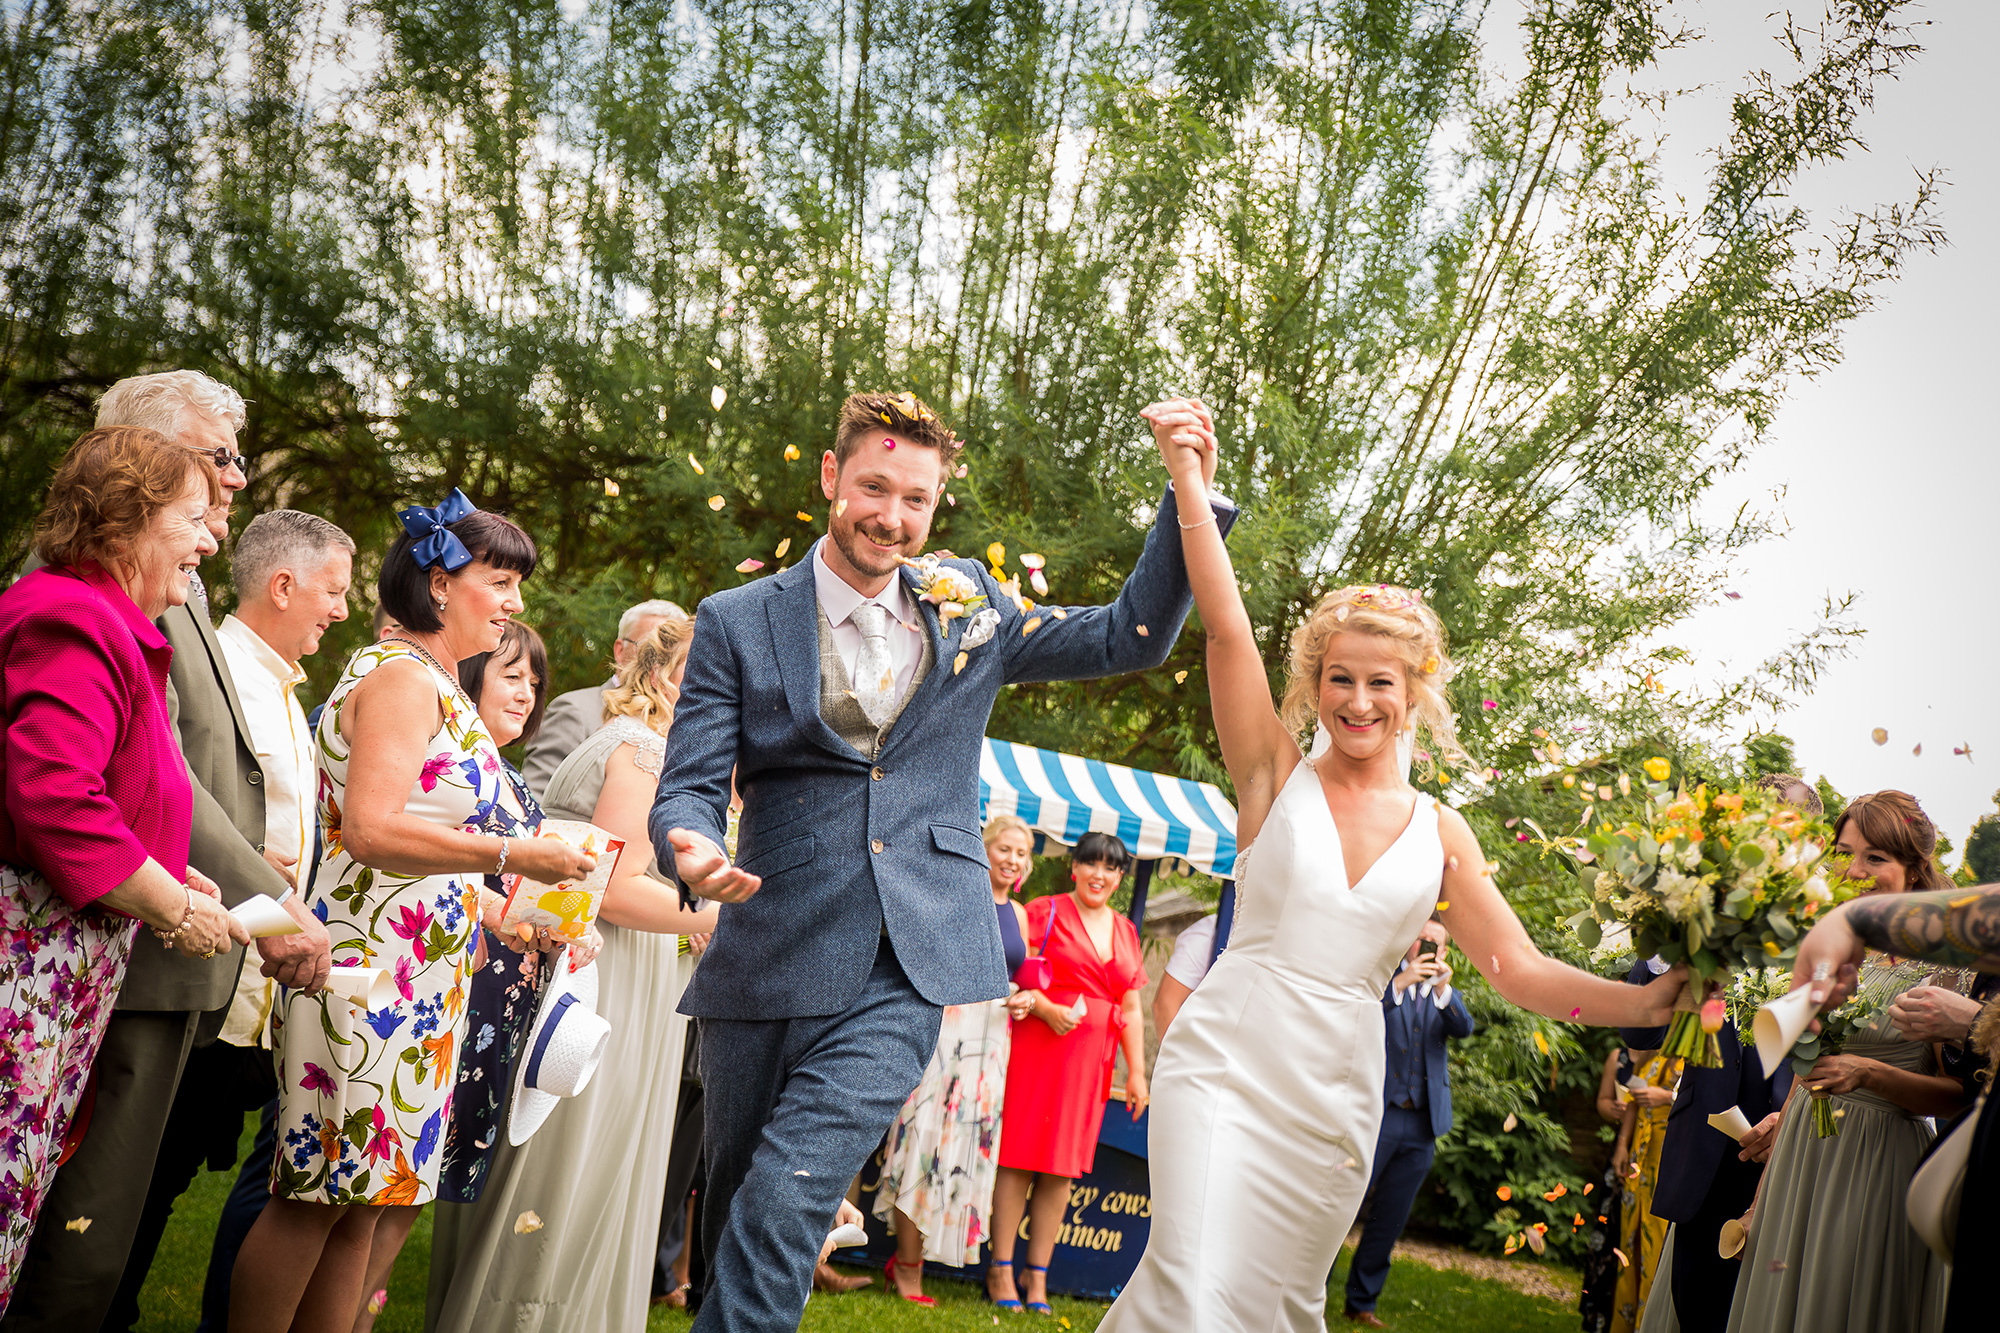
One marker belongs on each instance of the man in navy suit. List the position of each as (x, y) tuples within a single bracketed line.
[(1420, 1010), (1706, 1178), (851, 714)]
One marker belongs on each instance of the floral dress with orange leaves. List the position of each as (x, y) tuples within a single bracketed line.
[(365, 1095)]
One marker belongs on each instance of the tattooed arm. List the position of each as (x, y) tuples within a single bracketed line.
[(1950, 927)]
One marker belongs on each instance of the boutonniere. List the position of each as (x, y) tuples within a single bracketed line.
[(956, 596)]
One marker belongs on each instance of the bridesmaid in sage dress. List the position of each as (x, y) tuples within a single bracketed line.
[(1831, 1249), (595, 1172)]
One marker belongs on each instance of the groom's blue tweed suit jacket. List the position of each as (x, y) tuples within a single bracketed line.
[(850, 850)]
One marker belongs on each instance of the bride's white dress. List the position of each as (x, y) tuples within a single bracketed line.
[(1268, 1092)]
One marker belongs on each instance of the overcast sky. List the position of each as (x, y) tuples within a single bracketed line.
[(1888, 462)]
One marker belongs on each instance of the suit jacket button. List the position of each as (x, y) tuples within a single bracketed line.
[(877, 775), (256, 778), (875, 846)]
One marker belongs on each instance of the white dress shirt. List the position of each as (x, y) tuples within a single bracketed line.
[(1189, 963), (837, 600), (265, 685), (1440, 995)]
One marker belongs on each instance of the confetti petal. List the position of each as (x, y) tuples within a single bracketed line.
[(1919, 751), (1180, 677), (1145, 633), (1623, 1262), (951, 499), (1507, 1125), (791, 453), (1505, 1192), (802, 516), (840, 509), (1444, 907), (749, 566), (1575, 1014), (77, 1224), (783, 547), (695, 463), (1488, 704), (716, 502), (378, 1301), (717, 397), (960, 473), (1034, 623), (527, 1221), (1038, 583), (996, 554), (958, 664), (1541, 1043), (1588, 1187), (888, 443), (714, 363), (1058, 613), (1030, 560), (1880, 735), (1535, 1241), (610, 486)]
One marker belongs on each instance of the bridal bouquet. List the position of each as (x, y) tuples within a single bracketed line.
[(1726, 880), (1751, 990), (1879, 985)]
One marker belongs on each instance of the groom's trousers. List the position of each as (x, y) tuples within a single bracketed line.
[(793, 1108)]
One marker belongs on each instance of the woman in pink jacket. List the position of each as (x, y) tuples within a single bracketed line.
[(95, 802)]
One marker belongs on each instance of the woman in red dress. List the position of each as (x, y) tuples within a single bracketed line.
[(1059, 1074)]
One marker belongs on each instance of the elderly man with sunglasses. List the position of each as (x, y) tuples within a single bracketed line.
[(169, 1003)]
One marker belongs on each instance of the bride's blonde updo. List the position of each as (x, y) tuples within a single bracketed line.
[(642, 691), (1417, 636)]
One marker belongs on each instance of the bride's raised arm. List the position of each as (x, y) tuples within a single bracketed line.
[(1485, 927), (1256, 749)]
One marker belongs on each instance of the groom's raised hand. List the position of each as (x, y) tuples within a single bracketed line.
[(1184, 431), (706, 872)]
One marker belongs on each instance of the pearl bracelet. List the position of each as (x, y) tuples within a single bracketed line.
[(1189, 527), (167, 937)]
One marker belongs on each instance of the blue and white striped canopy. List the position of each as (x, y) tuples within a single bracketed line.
[(1063, 797)]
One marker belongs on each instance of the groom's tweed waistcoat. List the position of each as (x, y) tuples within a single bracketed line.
[(858, 835), (842, 711)]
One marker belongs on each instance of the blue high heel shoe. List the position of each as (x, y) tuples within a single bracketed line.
[(1037, 1307), (1012, 1307)]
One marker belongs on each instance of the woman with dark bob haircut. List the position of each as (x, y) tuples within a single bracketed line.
[(95, 802), (411, 801), (1059, 1073)]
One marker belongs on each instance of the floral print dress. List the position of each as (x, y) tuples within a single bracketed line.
[(365, 1095)]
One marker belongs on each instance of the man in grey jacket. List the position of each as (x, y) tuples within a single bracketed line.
[(168, 1003), (574, 715), (849, 703)]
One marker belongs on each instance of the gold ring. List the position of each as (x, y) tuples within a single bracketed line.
[(209, 954)]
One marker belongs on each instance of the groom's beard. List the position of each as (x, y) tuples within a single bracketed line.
[(867, 558)]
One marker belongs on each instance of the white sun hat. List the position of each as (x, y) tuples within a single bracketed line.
[(565, 1043)]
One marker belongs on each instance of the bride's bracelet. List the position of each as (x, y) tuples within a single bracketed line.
[(1189, 527), (501, 869)]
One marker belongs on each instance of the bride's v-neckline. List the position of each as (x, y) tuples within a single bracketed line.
[(1325, 808)]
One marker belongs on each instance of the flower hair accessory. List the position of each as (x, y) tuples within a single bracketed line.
[(1382, 597), (436, 544)]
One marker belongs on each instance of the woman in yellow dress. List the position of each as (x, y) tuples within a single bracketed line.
[(1636, 1157)]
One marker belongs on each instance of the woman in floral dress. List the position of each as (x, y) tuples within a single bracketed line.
[(409, 783)]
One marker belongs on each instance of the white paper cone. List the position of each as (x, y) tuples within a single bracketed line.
[(262, 917), (1780, 1024), (1731, 1122), (850, 1234), (1730, 1242), (369, 987)]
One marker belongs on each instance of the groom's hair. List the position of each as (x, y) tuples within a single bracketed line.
[(903, 415)]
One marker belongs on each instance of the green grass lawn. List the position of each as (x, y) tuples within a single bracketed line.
[(1419, 1299)]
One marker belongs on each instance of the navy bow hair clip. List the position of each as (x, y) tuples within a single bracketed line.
[(436, 543)]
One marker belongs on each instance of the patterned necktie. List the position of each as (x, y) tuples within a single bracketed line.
[(874, 678), (198, 592)]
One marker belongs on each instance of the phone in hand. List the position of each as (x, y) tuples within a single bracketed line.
[(1427, 949)]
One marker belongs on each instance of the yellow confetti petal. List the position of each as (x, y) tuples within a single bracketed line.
[(717, 397), (695, 463), (1623, 1262), (1541, 1043), (791, 453), (840, 509), (1569, 779), (714, 363), (1444, 907), (803, 516), (1058, 613), (1180, 677), (1145, 633), (1880, 735), (1657, 768), (715, 502), (1507, 1125), (1034, 623), (77, 1224), (527, 1221), (996, 554), (958, 664), (749, 566), (610, 486), (783, 547)]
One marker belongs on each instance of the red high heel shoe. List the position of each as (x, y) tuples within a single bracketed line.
[(890, 1270)]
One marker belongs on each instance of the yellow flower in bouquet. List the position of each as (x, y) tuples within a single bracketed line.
[(1726, 880)]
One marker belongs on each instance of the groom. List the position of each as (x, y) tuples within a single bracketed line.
[(852, 722)]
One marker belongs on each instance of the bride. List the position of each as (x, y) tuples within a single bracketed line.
[(1268, 1091)]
